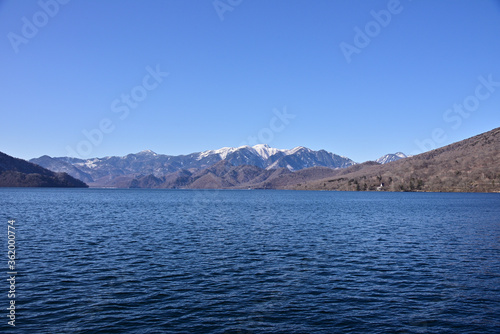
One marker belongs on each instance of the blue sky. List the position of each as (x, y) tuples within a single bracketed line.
[(357, 78)]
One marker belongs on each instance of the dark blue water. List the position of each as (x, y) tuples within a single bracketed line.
[(162, 261)]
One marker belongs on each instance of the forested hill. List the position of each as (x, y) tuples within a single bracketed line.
[(16, 172), (471, 165)]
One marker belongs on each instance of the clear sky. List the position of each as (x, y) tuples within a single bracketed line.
[(357, 78)]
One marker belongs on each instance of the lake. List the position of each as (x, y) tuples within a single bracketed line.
[(260, 261)]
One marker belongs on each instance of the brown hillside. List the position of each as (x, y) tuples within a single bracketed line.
[(471, 165), (16, 172)]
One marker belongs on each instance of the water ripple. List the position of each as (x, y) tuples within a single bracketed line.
[(153, 261)]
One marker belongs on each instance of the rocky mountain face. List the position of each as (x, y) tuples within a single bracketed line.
[(120, 171), (391, 157), (20, 173)]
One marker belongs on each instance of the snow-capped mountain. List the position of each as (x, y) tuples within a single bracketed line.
[(262, 150), (102, 170), (391, 157), (267, 157)]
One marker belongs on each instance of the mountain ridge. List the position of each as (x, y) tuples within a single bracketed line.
[(16, 172), (471, 165), (112, 171)]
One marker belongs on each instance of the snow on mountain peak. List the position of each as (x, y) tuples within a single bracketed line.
[(147, 152), (296, 149), (261, 146), (222, 152), (391, 157), (265, 151)]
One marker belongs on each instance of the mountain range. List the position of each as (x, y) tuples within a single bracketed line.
[(471, 165), (127, 171), (16, 172)]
